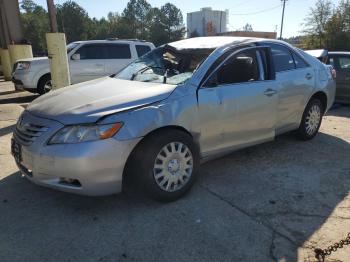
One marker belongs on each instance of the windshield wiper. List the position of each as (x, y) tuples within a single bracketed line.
[(144, 69)]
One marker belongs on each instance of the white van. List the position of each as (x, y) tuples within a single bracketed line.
[(87, 60)]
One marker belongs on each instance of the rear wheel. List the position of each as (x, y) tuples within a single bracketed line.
[(166, 164), (312, 119), (45, 84)]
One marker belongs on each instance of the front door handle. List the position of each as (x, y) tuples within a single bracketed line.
[(308, 76), (270, 92), (99, 65)]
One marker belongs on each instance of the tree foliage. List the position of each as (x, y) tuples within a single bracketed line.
[(327, 26), (138, 20), (248, 27)]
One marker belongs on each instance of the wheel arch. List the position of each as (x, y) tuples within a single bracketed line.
[(41, 77), (322, 96), (128, 165)]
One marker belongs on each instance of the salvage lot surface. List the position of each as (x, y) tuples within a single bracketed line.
[(273, 202)]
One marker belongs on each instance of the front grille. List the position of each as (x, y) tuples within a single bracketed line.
[(26, 133)]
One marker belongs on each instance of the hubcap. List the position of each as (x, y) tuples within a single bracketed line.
[(48, 86), (173, 167), (313, 119)]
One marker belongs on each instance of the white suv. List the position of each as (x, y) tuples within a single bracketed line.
[(87, 60)]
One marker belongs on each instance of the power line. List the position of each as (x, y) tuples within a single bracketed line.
[(261, 11)]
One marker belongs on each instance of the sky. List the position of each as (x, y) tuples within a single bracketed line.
[(263, 15)]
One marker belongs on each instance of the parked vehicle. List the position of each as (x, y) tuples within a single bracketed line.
[(87, 60), (341, 62), (181, 104)]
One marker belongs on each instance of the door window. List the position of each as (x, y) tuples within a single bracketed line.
[(142, 49), (118, 51), (91, 51), (282, 58), (299, 62), (344, 62), (239, 69)]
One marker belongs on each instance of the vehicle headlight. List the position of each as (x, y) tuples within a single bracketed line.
[(84, 133), (23, 66)]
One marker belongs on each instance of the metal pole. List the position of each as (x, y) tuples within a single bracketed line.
[(284, 6), (52, 15)]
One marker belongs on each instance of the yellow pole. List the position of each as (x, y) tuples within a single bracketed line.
[(19, 51), (6, 63), (57, 51)]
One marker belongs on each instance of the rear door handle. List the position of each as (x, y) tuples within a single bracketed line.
[(99, 65), (308, 76), (270, 92)]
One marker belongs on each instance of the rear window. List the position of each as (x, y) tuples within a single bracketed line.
[(142, 49), (118, 51)]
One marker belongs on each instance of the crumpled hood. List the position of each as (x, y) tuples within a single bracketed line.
[(87, 102)]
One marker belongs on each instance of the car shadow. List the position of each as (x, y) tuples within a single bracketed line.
[(258, 204), (340, 111), (18, 100), (7, 130)]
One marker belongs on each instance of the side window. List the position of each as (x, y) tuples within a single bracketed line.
[(282, 58), (118, 51), (344, 62), (330, 61), (299, 62), (239, 69), (93, 51), (142, 49)]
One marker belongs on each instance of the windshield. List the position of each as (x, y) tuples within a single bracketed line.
[(71, 46), (165, 65)]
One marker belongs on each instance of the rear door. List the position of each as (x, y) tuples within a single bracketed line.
[(295, 80), (90, 65), (341, 63), (118, 57), (237, 104)]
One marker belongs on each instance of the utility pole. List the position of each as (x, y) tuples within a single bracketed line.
[(52, 15), (284, 6), (57, 52)]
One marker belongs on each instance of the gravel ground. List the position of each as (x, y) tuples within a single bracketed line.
[(272, 202)]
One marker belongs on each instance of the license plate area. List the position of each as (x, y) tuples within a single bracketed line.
[(16, 151)]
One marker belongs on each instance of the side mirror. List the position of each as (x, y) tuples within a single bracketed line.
[(75, 56)]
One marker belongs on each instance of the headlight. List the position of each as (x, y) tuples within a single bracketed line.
[(23, 66), (84, 133)]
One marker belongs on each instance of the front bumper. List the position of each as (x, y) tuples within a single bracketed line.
[(95, 168), (88, 168), (24, 80)]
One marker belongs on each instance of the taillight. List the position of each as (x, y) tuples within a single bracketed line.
[(333, 73)]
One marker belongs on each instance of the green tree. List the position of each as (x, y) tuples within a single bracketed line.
[(316, 21), (135, 16), (172, 19), (248, 27), (35, 23), (73, 20)]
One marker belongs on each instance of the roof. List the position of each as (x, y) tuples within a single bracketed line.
[(209, 42), (213, 42), (339, 53), (317, 52), (113, 41)]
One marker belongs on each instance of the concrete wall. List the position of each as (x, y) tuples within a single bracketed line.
[(199, 22)]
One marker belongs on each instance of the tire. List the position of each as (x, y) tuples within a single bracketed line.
[(162, 175), (311, 120), (43, 83)]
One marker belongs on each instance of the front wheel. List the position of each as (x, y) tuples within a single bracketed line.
[(168, 163), (311, 121), (45, 84)]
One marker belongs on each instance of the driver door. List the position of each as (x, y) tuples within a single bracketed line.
[(238, 102)]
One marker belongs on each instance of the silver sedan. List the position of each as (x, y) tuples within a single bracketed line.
[(160, 117)]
